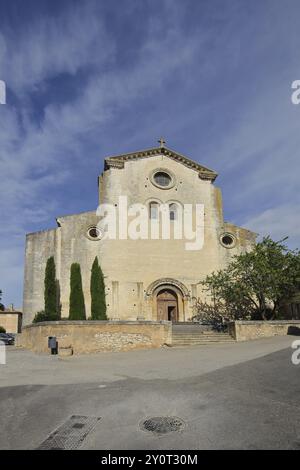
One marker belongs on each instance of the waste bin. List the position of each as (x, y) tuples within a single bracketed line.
[(52, 344)]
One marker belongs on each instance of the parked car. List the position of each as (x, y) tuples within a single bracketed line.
[(7, 339)]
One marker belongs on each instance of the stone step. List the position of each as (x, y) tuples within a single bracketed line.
[(201, 336), (202, 343), (194, 330), (198, 339), (203, 339), (215, 340), (197, 331), (206, 338)]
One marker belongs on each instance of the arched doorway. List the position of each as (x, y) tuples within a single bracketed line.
[(179, 293), (167, 305)]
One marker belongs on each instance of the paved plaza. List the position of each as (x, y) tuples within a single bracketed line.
[(231, 396)]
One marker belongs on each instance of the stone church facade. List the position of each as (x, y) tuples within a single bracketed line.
[(145, 279)]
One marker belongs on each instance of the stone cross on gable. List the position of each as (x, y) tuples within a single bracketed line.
[(161, 142)]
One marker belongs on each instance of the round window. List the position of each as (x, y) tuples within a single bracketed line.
[(228, 240), (94, 233), (162, 179)]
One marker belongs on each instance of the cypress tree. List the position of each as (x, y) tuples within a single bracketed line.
[(77, 308), (50, 294), (2, 308), (98, 305)]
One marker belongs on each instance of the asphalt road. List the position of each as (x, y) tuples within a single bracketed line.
[(235, 396)]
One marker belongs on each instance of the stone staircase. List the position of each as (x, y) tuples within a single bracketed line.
[(197, 335)]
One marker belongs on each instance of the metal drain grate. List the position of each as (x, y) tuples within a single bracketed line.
[(162, 424), (71, 434)]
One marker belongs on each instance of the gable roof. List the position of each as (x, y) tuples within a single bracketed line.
[(118, 161)]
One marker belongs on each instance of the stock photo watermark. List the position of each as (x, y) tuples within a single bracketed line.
[(2, 353), (152, 221), (295, 96), (2, 92), (296, 354)]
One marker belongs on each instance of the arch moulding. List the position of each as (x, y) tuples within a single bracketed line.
[(164, 282)]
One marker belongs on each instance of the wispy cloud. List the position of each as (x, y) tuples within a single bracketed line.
[(39, 154), (279, 222), (51, 45), (93, 78)]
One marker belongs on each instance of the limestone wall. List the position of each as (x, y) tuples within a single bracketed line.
[(247, 330), (68, 244), (96, 336), (11, 321)]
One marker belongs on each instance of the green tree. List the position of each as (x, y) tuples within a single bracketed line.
[(51, 310), (256, 283), (2, 308), (50, 290), (77, 308), (98, 304)]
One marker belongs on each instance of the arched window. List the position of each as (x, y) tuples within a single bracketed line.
[(153, 210), (173, 210)]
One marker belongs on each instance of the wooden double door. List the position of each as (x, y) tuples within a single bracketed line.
[(167, 305)]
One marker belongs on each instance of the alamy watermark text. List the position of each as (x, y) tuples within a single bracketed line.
[(2, 92)]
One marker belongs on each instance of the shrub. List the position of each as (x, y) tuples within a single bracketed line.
[(2, 329), (43, 316)]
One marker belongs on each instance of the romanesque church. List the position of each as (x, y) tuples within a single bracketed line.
[(146, 278)]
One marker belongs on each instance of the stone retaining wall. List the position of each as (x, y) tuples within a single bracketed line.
[(247, 330), (96, 336)]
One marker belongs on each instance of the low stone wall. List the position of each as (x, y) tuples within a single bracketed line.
[(96, 336), (247, 330)]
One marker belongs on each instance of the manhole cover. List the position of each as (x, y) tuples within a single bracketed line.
[(162, 424)]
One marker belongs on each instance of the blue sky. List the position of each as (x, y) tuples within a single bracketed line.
[(87, 79)]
